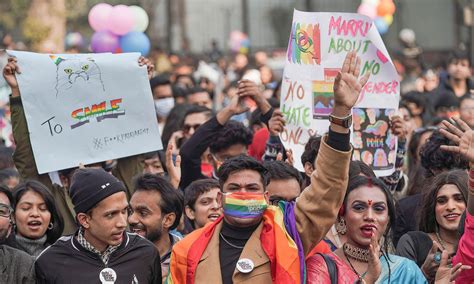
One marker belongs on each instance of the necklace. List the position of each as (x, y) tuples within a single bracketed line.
[(360, 277), (441, 241), (229, 243), (356, 253)]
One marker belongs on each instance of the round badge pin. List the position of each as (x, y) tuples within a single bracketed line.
[(245, 265), (107, 276)]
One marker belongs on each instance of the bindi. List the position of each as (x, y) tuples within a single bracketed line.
[(369, 202)]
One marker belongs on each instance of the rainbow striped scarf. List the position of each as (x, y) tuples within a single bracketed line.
[(279, 239)]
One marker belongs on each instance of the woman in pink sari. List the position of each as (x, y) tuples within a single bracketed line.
[(365, 219)]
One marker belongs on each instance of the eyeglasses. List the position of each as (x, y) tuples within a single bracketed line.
[(5, 210), (187, 127)]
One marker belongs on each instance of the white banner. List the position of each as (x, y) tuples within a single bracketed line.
[(86, 108), (317, 47)]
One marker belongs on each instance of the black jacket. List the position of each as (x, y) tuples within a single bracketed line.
[(66, 261), (192, 150)]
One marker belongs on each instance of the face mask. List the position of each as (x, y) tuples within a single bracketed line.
[(164, 106), (244, 205)]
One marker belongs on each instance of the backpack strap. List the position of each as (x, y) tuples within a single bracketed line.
[(332, 268)]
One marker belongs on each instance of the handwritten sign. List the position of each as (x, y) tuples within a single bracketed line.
[(317, 47), (86, 108)]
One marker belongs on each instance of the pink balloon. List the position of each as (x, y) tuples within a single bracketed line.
[(99, 17), (368, 10), (121, 20)]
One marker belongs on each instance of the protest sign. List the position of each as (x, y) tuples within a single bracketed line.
[(86, 108), (317, 47)]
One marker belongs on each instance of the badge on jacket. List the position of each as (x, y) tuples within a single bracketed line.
[(245, 265), (107, 276)]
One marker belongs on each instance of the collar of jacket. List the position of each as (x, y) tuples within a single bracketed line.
[(77, 246), (252, 250)]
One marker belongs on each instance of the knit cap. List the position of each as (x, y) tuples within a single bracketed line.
[(90, 186)]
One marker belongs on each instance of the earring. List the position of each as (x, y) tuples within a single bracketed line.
[(50, 226), (341, 226)]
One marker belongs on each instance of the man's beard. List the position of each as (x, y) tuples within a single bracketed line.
[(154, 235), (3, 235)]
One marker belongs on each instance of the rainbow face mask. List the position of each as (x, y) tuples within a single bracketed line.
[(244, 205)]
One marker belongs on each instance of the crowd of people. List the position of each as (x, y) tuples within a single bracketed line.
[(222, 203)]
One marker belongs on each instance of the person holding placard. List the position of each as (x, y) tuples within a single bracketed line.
[(24, 160), (255, 242)]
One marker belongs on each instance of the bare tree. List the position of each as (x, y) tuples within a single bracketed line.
[(45, 25)]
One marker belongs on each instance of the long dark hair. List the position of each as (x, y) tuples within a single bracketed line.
[(459, 178), (58, 224), (412, 154), (358, 181)]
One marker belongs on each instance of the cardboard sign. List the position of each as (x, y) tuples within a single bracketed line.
[(86, 108), (317, 47)]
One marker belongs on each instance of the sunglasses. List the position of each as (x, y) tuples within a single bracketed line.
[(187, 127)]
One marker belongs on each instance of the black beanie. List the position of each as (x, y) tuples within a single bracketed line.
[(90, 186)]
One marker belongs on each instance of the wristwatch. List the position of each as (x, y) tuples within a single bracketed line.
[(345, 122)]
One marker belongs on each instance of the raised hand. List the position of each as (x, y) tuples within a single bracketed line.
[(174, 141), (398, 127), (9, 73), (430, 266), (276, 124), (447, 274), (174, 170), (289, 157), (247, 88), (462, 135), (375, 266), (150, 68), (347, 85), (237, 105)]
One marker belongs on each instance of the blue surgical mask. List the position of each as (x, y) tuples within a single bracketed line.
[(164, 106)]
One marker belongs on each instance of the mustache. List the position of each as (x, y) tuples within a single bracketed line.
[(137, 226)]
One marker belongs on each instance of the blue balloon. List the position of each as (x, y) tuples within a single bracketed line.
[(135, 42), (381, 25)]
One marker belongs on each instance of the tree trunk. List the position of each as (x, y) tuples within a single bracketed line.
[(45, 26), (150, 7), (183, 24)]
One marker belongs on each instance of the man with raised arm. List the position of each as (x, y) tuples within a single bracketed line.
[(254, 242)]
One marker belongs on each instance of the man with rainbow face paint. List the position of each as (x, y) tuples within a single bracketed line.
[(254, 242)]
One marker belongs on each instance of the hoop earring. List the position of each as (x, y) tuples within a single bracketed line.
[(341, 227), (50, 226)]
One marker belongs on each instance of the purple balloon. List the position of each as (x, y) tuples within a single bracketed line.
[(104, 42), (99, 16)]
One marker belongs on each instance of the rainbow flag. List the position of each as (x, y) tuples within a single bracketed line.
[(279, 239)]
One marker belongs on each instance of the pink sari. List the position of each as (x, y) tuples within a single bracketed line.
[(317, 271)]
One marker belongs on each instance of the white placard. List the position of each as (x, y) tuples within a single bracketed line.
[(86, 108), (317, 47)]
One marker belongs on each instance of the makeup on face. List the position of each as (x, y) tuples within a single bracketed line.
[(366, 214)]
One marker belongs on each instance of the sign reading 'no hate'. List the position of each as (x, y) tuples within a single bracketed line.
[(317, 47)]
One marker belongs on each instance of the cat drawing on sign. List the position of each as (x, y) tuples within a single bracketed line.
[(71, 72)]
